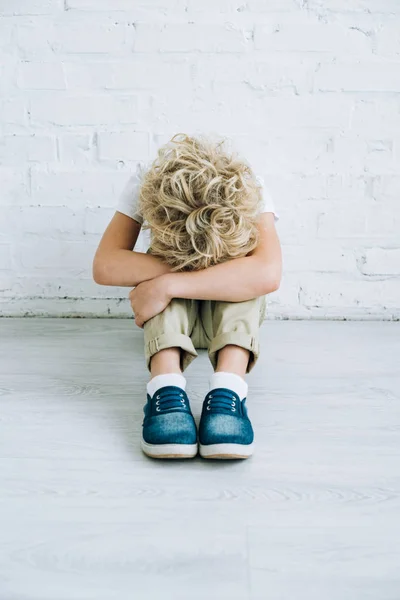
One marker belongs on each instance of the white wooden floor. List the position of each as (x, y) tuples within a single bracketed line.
[(314, 515)]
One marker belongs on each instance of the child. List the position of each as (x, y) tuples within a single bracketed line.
[(214, 255)]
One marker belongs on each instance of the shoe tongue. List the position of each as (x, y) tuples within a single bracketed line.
[(224, 394)]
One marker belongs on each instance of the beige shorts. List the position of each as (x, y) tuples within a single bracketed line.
[(210, 324)]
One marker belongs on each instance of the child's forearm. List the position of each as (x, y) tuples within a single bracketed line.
[(127, 268), (234, 281)]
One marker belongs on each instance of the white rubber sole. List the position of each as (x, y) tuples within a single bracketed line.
[(169, 450), (226, 451)]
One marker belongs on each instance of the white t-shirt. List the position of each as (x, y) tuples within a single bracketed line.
[(129, 200)]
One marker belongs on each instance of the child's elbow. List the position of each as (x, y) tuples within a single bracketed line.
[(270, 282), (274, 284), (100, 271)]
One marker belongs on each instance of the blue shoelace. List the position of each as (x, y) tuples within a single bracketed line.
[(222, 401), (170, 400)]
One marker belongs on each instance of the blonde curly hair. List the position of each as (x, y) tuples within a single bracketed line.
[(200, 203)]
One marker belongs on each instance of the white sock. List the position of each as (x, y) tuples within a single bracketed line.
[(160, 381), (231, 381)]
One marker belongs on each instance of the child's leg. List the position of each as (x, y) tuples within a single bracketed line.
[(234, 324), (233, 359), (169, 430), (167, 343), (233, 330)]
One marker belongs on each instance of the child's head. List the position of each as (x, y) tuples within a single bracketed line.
[(200, 204)]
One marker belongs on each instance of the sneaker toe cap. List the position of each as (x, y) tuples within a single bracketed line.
[(171, 428), (226, 429)]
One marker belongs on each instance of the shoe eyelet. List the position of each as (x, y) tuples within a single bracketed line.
[(183, 400), (181, 395), (209, 402), (157, 397), (158, 409), (208, 407), (233, 409), (233, 398), (210, 396), (233, 404), (157, 402)]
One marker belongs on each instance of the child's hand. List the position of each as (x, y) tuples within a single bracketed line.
[(148, 299)]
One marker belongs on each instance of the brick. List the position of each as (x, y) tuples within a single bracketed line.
[(13, 112), (358, 77), (76, 148), (273, 5), (152, 74), (36, 39), (376, 118), (347, 186), (190, 37), (41, 76), (77, 189), (123, 145), (6, 37), (299, 153), (31, 7), (71, 286), (269, 116), (380, 157), (132, 74), (50, 285), (97, 219), (355, 155), (258, 74), (124, 5), (386, 187), (9, 216), (383, 221), (387, 40), (384, 6), (8, 78), (98, 5), (88, 75), (288, 294), (14, 186), (296, 112), (308, 34), (105, 38), (56, 254), (16, 149), (381, 261), (319, 256), (52, 222), (193, 7), (308, 187), (83, 110), (340, 221), (298, 226), (342, 291), (6, 262)]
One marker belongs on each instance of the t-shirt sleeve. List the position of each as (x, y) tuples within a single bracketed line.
[(128, 202), (267, 201)]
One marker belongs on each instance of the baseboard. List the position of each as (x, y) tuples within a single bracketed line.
[(119, 308)]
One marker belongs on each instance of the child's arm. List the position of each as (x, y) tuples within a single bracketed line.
[(236, 280), (115, 263), (233, 281)]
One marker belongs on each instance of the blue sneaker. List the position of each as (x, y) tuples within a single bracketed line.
[(169, 430), (225, 430)]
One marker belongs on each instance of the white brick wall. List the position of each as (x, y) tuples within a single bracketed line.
[(308, 90)]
